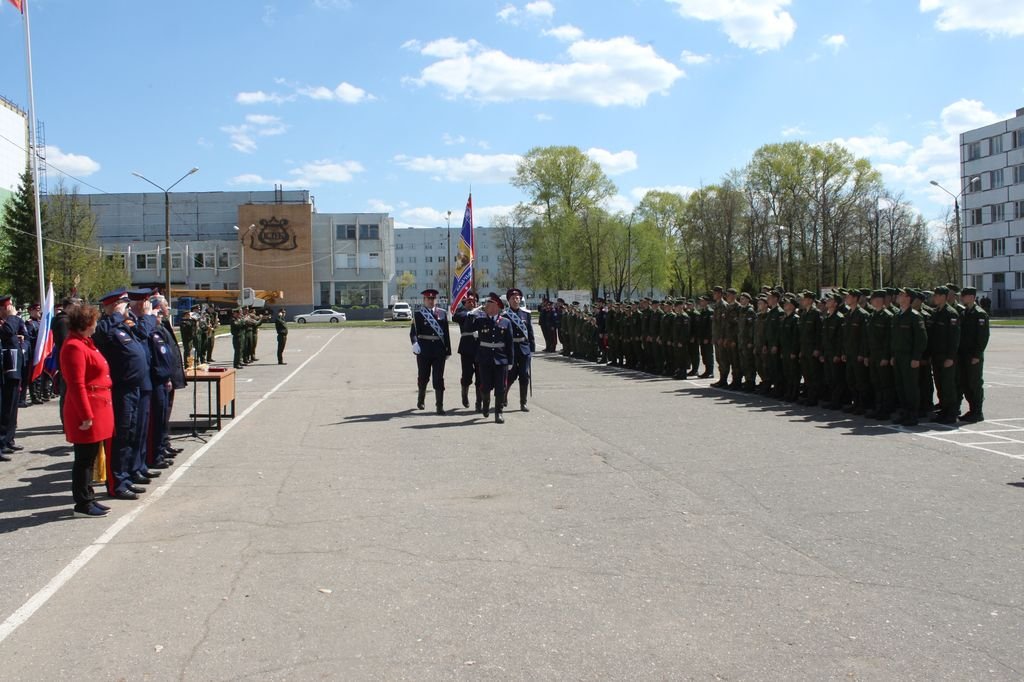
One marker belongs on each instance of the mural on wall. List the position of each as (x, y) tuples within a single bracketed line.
[(274, 233)]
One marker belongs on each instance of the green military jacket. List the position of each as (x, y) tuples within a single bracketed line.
[(832, 334), (975, 332), (789, 334), (745, 319), (773, 326), (810, 331), (878, 335), (908, 336), (944, 335)]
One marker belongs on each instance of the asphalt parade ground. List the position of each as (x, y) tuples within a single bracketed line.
[(628, 527)]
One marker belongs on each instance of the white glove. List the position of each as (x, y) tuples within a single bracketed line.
[(416, 348)]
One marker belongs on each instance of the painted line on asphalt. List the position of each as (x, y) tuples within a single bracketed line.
[(39, 599)]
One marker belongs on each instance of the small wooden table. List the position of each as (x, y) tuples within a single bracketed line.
[(221, 384)]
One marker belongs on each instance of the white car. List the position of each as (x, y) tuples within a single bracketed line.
[(322, 315), (401, 311)]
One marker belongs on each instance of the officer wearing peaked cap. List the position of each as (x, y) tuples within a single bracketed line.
[(431, 343), (12, 338), (524, 346), (494, 353)]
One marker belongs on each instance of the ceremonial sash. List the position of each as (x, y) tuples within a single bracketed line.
[(428, 317), (514, 317)]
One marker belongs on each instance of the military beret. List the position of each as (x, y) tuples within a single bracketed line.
[(112, 297), (968, 291), (879, 293), (717, 288), (942, 290), (139, 294)]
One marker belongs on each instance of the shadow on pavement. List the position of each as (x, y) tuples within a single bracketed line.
[(50, 491), (1016, 484), (379, 417), (445, 425)]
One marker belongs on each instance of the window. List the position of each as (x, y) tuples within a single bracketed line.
[(412, 259), (202, 260), (115, 258), (176, 261), (369, 231), (974, 281), (1018, 280), (1020, 244), (1018, 138), (996, 145), (974, 216), (399, 259), (145, 261), (429, 273), (485, 259), (997, 212), (345, 231), (998, 247), (204, 287), (428, 259), (399, 247), (1018, 211), (996, 179), (223, 258), (374, 260), (973, 151), (428, 246), (1018, 174), (440, 259), (976, 249)]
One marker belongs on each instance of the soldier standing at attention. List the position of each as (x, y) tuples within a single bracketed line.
[(717, 307), (760, 357), (854, 328), (772, 354), (280, 324), (926, 387), (973, 341), (705, 335), (467, 347), (878, 353), (746, 319), (494, 353), (202, 331), (187, 327), (524, 346), (789, 349), (909, 340), (832, 353), (213, 321), (944, 347), (432, 345), (237, 337)]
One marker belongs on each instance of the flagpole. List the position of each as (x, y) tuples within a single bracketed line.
[(34, 153)]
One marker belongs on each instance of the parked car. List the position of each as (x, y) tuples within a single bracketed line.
[(401, 311), (322, 315)]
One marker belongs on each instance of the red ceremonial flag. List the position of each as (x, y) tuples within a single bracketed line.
[(20, 4)]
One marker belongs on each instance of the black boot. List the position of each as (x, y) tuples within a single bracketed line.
[(523, 388), (486, 406), (421, 397), (465, 396), (439, 397), (498, 419)]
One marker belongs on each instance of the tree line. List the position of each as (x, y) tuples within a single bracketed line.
[(818, 212)]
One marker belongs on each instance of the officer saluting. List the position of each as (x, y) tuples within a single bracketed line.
[(432, 345), (494, 353), (467, 347), (523, 346)]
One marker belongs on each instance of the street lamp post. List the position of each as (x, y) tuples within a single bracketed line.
[(167, 224), (956, 220), (241, 262), (779, 230)]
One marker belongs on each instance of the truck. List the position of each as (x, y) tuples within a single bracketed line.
[(222, 299)]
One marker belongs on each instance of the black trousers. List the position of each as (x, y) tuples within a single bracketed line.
[(9, 397), (81, 474), (430, 368), (468, 369), (493, 377), (282, 339)]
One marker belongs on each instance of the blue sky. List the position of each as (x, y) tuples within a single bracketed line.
[(396, 106)]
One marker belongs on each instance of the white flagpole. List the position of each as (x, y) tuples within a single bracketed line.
[(33, 152)]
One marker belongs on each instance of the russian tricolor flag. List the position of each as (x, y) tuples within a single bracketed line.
[(44, 341)]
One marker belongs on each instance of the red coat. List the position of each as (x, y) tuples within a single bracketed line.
[(87, 376)]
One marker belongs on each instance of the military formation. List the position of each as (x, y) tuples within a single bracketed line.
[(900, 354), (245, 324)]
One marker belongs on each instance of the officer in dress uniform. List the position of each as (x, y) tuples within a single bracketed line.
[(127, 355), (494, 353), (524, 346), (12, 337), (432, 345), (178, 381), (467, 348), (162, 371), (140, 312)]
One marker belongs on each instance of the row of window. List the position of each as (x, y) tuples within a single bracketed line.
[(995, 213), (997, 247), (978, 282), (431, 259), (203, 260), (350, 231), (994, 145), (364, 260), (997, 178)]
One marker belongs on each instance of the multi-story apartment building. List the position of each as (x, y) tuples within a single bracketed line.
[(13, 146), (992, 181)]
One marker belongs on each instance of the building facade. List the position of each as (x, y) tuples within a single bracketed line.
[(271, 240), (13, 146), (424, 253), (992, 182)]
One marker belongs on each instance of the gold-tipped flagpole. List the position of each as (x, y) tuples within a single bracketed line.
[(34, 153)]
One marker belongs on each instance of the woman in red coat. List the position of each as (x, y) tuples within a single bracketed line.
[(88, 410)]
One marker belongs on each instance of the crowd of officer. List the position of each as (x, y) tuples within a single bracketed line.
[(899, 354), (18, 390)]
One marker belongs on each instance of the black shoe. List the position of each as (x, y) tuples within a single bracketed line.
[(4, 458), (282, 363), (151, 474), (139, 479), (16, 448), (440, 410), (174, 450), (945, 419), (705, 375), (162, 464), (967, 417), (101, 506), (92, 512), (719, 384), (498, 419), (908, 421), (136, 488), (126, 494), (524, 408)]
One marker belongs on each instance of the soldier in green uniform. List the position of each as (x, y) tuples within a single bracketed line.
[(693, 344), (832, 353), (789, 350), (772, 355), (746, 318), (926, 386), (810, 349), (973, 341), (944, 346), (728, 351), (854, 327), (717, 308), (909, 340), (237, 337), (680, 340), (201, 337), (187, 327), (705, 335), (212, 321), (878, 355), (760, 356)]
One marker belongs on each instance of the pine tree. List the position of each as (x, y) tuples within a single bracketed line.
[(20, 276)]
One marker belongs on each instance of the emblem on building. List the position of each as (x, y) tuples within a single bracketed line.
[(274, 233)]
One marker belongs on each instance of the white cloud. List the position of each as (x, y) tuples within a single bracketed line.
[(542, 117), (793, 131), (995, 17), (312, 174), (344, 92), (72, 164), (491, 168), (425, 216), (540, 8), (753, 24), (613, 163), (508, 13), (834, 42), (448, 48), (602, 72), (260, 97), (876, 147), (378, 206), (638, 193), (449, 139), (566, 32), (694, 59), (243, 136), (618, 204)]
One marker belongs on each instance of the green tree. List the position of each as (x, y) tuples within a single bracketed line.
[(513, 245), (20, 261), (404, 281)]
